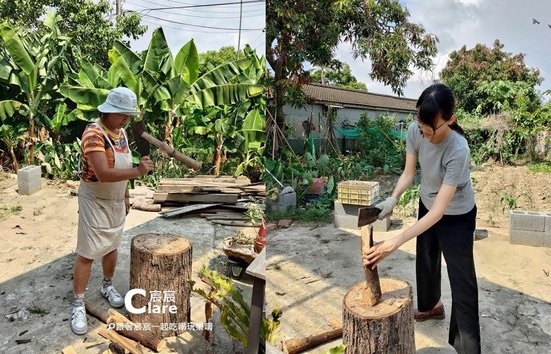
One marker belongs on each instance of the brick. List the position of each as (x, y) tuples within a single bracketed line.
[(28, 180), (526, 220), (528, 238)]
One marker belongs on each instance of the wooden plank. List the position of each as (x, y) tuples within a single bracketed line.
[(187, 209), (230, 180), (226, 217), (258, 267), (234, 223), (198, 198), (165, 188)]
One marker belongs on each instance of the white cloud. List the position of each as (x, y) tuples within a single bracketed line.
[(470, 2), (467, 22)]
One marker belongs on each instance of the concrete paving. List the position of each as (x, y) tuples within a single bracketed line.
[(311, 268), (49, 286)]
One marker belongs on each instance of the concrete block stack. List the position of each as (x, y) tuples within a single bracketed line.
[(28, 180), (353, 195), (530, 228)]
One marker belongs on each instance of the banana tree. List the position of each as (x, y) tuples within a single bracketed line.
[(166, 87), (35, 66), (11, 134)]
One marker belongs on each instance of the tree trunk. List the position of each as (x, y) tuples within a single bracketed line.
[(217, 159), (31, 138), (161, 265), (384, 328), (169, 127)]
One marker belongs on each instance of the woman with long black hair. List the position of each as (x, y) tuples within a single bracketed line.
[(447, 217)]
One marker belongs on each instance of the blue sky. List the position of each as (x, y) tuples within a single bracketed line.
[(468, 22), (181, 25)]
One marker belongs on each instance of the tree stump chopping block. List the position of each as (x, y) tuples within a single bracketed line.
[(161, 266), (387, 327)]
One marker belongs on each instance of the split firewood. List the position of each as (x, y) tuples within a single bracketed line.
[(294, 346), (146, 338), (120, 340), (116, 349), (69, 350), (146, 205)]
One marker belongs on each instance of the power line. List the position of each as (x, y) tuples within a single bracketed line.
[(197, 16), (201, 5), (154, 23), (201, 26)]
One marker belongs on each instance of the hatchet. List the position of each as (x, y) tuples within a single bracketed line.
[(143, 140), (372, 292)]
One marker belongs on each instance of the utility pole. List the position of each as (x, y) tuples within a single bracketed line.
[(118, 8), (240, 19)]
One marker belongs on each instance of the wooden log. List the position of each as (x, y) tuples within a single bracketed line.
[(161, 265), (372, 292), (384, 328), (141, 204), (299, 345), (133, 348), (145, 337)]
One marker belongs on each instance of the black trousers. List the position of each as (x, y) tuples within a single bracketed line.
[(452, 236)]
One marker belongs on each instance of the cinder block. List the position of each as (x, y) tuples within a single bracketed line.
[(528, 238), (547, 239), (346, 216), (28, 180), (526, 220), (548, 223)]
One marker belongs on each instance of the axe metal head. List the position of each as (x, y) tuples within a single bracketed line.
[(142, 146), (367, 215)]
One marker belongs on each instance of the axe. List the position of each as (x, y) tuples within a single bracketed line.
[(143, 140)]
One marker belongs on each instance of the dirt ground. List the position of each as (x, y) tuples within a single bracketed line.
[(311, 267), (38, 237)]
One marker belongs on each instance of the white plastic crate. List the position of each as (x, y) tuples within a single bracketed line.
[(358, 192)]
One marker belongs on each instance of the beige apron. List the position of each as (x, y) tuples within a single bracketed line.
[(102, 211)]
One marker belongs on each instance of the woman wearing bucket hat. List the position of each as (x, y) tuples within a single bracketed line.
[(103, 198)]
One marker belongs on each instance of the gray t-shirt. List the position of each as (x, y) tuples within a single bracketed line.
[(446, 162)]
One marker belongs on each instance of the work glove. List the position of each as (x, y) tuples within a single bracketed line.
[(386, 207)]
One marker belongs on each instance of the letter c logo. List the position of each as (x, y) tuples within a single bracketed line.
[(128, 301)]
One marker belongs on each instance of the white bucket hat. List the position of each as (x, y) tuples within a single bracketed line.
[(120, 100)]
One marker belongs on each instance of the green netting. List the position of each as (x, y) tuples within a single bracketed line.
[(349, 133), (352, 133)]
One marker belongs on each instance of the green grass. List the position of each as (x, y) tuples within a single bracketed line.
[(544, 167), (38, 310), (16, 209), (312, 212)]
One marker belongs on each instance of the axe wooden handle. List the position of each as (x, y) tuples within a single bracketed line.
[(372, 292), (186, 160)]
